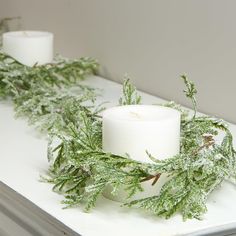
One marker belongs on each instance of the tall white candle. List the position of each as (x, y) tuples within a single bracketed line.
[(135, 129), (29, 47)]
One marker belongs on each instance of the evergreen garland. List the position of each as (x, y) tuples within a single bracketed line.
[(81, 170)]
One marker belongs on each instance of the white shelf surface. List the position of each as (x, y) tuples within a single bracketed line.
[(23, 158)]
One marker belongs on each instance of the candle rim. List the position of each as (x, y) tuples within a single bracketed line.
[(175, 113), (20, 34)]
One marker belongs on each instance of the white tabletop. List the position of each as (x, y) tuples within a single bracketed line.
[(23, 158)]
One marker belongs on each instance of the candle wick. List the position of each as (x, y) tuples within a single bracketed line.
[(25, 34), (136, 115)]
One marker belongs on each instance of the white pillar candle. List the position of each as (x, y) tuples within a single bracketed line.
[(135, 129), (29, 47)]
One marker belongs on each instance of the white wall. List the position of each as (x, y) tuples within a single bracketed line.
[(153, 40)]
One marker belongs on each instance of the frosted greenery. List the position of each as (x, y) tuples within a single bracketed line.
[(81, 170)]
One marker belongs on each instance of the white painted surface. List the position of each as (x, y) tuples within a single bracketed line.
[(23, 158)]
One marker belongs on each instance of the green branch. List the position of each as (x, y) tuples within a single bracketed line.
[(190, 93), (130, 95)]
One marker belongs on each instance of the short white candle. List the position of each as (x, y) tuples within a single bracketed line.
[(29, 47), (135, 129)]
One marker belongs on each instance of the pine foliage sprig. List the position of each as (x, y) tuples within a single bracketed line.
[(190, 93), (130, 95)]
